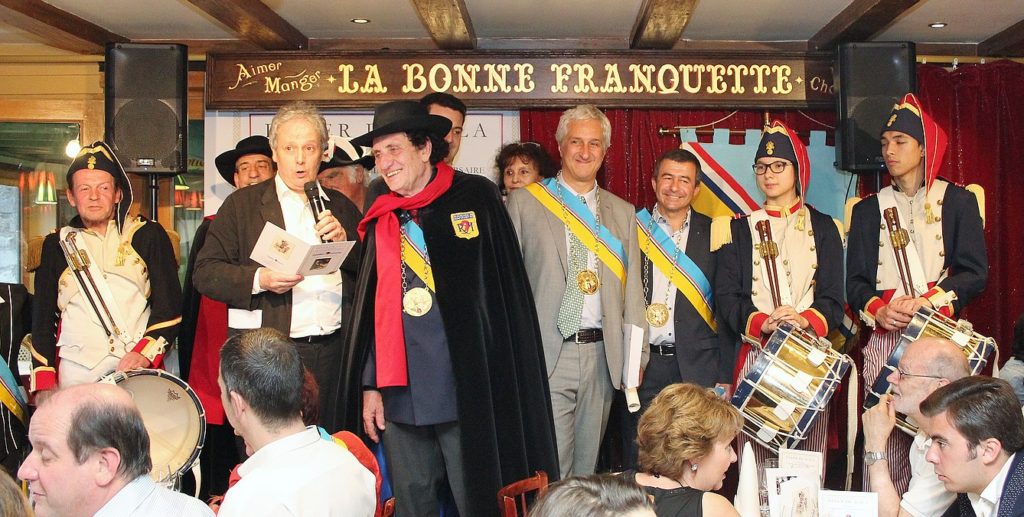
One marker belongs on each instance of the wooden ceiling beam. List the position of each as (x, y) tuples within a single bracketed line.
[(660, 23), (57, 28), (860, 21), (448, 23), (1008, 43), (255, 22)]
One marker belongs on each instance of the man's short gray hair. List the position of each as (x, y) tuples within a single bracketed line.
[(584, 112), (299, 110), (99, 424)]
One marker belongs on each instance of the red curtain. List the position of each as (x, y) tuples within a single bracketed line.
[(979, 106)]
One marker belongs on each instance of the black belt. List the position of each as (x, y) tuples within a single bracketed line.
[(663, 349), (586, 336), (315, 339)]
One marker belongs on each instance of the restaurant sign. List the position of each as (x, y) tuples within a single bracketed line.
[(517, 79)]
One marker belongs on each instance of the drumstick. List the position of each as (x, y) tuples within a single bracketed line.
[(73, 247), (769, 250), (899, 238), (76, 268)]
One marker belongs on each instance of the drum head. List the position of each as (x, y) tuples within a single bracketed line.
[(173, 416)]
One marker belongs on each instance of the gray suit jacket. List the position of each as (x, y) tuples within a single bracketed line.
[(542, 238)]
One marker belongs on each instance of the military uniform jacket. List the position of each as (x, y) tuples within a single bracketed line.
[(140, 268), (871, 277), (735, 279)]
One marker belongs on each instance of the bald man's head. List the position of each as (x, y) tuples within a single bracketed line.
[(940, 357)]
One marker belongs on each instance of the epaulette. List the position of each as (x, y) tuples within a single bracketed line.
[(721, 231), (979, 194), (848, 213), (34, 254)]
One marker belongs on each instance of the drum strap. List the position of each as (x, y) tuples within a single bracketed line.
[(886, 200), (101, 291), (851, 421)]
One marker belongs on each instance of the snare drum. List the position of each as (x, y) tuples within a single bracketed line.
[(173, 416), (928, 322), (788, 387)]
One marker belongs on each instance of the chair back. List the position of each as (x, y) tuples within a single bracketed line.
[(512, 498)]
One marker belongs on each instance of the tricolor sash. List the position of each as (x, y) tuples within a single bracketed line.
[(418, 261), (684, 273), (581, 222)]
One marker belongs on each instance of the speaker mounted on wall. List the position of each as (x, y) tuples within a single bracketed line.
[(146, 106), (871, 78)]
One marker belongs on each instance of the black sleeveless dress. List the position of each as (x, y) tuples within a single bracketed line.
[(673, 502)]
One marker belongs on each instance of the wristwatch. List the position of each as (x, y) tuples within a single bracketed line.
[(870, 457)]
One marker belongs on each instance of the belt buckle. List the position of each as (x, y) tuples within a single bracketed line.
[(577, 338)]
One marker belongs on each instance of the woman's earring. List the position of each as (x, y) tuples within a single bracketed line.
[(693, 467)]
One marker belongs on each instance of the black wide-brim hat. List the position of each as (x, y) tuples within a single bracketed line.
[(402, 116), (99, 156), (341, 153), (256, 144)]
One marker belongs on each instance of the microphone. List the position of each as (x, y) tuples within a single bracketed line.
[(316, 204)]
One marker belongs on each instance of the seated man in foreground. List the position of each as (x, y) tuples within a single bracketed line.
[(291, 470), (90, 456)]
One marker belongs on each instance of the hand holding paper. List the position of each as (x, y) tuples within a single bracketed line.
[(284, 253)]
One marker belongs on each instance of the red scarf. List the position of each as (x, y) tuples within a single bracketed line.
[(392, 368)]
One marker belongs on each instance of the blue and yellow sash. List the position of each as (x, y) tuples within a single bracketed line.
[(684, 273), (418, 260), (580, 221), (10, 393)]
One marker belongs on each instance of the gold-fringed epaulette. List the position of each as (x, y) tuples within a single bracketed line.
[(721, 231), (979, 194), (34, 254), (848, 214)]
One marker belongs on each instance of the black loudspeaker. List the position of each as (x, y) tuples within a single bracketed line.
[(871, 78), (146, 106)]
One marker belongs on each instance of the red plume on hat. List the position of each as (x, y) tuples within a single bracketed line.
[(935, 139)]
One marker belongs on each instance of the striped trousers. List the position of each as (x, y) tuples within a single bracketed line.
[(880, 344)]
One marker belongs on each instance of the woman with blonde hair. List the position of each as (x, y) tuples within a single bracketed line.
[(685, 447), (12, 499)]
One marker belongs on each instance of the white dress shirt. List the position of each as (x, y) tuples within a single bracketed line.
[(591, 318), (926, 496), (301, 474), (316, 300), (986, 504), (662, 291), (145, 498)]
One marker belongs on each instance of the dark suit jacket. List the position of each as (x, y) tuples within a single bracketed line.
[(698, 350), (1011, 502), (225, 272)]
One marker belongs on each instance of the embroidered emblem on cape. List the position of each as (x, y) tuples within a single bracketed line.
[(465, 225)]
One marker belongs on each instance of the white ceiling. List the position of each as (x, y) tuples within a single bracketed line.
[(533, 23)]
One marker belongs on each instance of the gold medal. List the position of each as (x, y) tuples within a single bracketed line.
[(588, 281), (657, 314), (417, 301)]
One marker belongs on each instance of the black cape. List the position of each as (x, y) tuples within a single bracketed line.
[(494, 338)]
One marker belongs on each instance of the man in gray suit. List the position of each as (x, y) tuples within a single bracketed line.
[(585, 285)]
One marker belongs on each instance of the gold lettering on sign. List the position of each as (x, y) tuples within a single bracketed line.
[(612, 82), (584, 78), (737, 72), (688, 72), (414, 80), (717, 80), (301, 81), (672, 86), (642, 74), (760, 71), (373, 83), (497, 77), (467, 78), (347, 86), (782, 84), (526, 84), (562, 72), (446, 77), (248, 74)]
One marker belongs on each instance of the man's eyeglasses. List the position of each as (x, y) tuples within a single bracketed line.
[(776, 167), (905, 374)]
